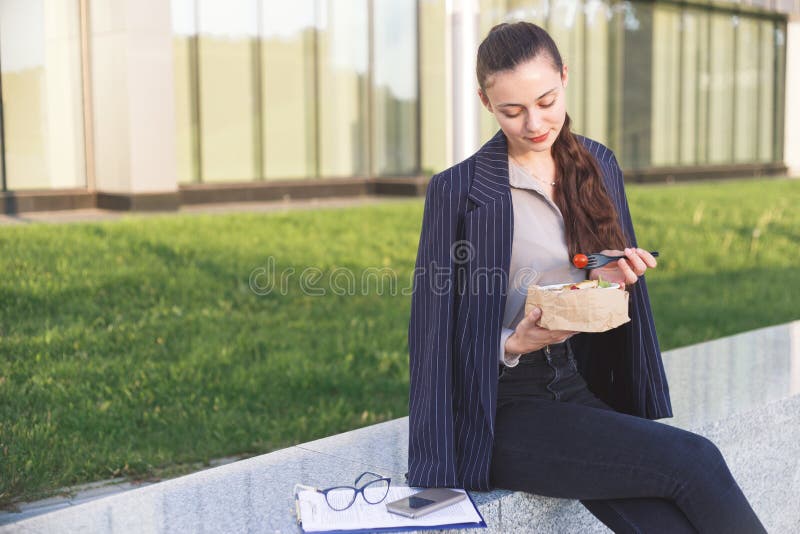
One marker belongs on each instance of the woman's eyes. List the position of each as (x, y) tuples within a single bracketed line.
[(547, 105)]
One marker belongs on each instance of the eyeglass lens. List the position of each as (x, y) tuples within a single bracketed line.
[(376, 491), (375, 488), (340, 498)]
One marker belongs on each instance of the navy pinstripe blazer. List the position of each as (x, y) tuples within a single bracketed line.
[(458, 301)]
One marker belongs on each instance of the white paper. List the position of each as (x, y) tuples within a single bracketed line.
[(317, 516)]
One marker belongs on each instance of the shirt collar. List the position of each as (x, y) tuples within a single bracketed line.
[(519, 177)]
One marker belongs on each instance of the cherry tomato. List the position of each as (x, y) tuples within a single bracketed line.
[(580, 261)]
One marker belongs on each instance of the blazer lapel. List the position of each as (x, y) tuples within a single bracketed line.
[(490, 180)]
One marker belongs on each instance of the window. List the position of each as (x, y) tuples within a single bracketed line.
[(289, 89), (343, 87), (394, 91), (42, 94), (229, 112)]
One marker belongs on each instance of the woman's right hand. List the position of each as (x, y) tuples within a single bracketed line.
[(529, 336)]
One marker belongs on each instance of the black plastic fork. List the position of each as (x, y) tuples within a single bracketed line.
[(598, 260)]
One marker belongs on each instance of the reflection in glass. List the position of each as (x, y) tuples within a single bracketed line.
[(343, 86), (703, 86), (228, 120), (779, 111), (282, 90), (565, 25), (721, 89), (688, 105), (184, 45), (746, 117), (595, 82), (289, 100), (634, 83), (42, 94), (666, 68), (766, 80), (394, 97), (435, 110)]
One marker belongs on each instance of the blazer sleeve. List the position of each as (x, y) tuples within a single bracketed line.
[(431, 458)]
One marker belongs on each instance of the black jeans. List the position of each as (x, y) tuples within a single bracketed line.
[(553, 437)]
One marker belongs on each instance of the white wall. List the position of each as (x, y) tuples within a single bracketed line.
[(133, 96), (463, 18)]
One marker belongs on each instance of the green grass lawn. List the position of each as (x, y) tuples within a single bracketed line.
[(133, 346)]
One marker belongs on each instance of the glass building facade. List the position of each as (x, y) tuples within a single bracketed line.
[(665, 84), (266, 90), (309, 89), (42, 139)]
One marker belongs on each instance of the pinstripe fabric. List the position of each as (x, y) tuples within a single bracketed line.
[(460, 285)]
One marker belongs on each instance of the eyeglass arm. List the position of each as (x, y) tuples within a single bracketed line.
[(376, 475)]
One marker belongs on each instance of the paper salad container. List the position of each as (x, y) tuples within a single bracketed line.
[(593, 309)]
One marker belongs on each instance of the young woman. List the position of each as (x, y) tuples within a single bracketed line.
[(497, 401)]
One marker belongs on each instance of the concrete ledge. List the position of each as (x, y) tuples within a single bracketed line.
[(303, 189), (272, 190), (13, 202), (743, 392), (400, 186), (705, 172), (138, 201)]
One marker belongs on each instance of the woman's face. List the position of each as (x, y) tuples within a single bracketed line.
[(529, 103)]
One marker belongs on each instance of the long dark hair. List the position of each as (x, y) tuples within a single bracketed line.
[(590, 218)]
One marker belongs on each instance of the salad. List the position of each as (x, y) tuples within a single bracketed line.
[(586, 284)]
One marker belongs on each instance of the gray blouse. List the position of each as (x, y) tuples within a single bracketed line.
[(539, 252)]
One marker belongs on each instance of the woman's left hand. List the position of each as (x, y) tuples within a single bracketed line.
[(625, 270)]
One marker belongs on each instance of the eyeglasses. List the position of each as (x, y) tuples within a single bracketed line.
[(374, 490)]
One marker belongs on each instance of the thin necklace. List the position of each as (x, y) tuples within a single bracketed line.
[(553, 183)]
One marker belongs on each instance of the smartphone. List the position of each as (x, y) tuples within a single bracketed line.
[(425, 502)]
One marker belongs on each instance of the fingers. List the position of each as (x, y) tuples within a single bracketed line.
[(637, 264), (627, 272), (648, 258), (533, 316), (531, 320), (529, 336)]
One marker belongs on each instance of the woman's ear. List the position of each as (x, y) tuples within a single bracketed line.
[(564, 76), (485, 100)]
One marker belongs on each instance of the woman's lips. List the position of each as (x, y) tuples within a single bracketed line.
[(539, 139)]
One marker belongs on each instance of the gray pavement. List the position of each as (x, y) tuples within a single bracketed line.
[(73, 496)]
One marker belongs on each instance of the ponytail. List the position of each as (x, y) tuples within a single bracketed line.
[(590, 218)]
